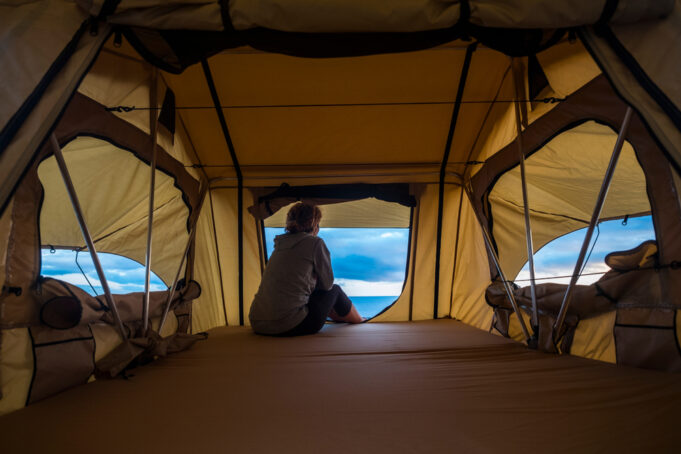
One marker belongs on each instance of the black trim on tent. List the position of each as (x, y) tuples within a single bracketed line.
[(391, 192), (240, 182), (440, 203), (640, 75), (20, 116), (36, 152), (175, 50), (35, 367), (217, 255), (672, 160), (456, 250)]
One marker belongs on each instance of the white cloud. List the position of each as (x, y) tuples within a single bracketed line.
[(552, 272), (392, 235), (354, 287)]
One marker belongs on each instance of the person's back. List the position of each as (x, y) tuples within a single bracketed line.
[(299, 264), (297, 292)]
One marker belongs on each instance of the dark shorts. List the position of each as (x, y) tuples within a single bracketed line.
[(319, 306)]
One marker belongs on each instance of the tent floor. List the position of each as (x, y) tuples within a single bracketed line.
[(434, 386)]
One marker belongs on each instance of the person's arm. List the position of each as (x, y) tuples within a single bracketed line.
[(322, 266)]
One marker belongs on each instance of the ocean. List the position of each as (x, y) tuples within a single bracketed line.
[(370, 306)]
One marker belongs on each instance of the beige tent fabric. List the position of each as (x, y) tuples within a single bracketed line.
[(208, 310), (594, 338), (563, 184), (416, 300), (373, 121), (365, 213), (409, 16), (225, 211), (16, 368), (653, 44), (471, 277), (16, 157)]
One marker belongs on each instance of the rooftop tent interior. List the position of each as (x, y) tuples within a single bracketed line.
[(423, 129)]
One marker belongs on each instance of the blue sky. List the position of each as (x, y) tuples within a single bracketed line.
[(558, 258), (122, 274), (366, 262), (369, 262)]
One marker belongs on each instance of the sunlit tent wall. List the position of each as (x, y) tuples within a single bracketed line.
[(236, 101)]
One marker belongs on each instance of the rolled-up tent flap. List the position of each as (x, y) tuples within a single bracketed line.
[(270, 200), (341, 16)]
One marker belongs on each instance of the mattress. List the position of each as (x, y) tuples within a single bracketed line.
[(432, 386)]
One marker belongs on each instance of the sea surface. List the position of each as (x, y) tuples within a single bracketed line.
[(370, 306)]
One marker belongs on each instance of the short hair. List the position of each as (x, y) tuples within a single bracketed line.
[(303, 217)]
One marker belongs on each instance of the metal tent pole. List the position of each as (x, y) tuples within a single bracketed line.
[(86, 236), (153, 125), (600, 201), (190, 240), (495, 258), (526, 204)]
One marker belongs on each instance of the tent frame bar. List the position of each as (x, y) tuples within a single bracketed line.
[(443, 169), (509, 292), (520, 121), (87, 237), (240, 183), (600, 202), (153, 125), (190, 241)]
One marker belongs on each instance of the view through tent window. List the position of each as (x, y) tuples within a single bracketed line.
[(123, 274), (555, 261), (368, 263)]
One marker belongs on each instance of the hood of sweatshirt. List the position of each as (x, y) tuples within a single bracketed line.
[(290, 240)]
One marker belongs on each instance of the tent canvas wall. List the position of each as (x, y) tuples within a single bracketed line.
[(228, 101)]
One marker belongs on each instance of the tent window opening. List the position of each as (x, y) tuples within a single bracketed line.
[(564, 177), (556, 260), (112, 185), (368, 241), (123, 275)]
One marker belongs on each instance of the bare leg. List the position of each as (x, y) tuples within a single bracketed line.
[(351, 317)]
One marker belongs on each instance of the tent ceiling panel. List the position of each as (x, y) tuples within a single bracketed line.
[(283, 110), (253, 79), (365, 213)]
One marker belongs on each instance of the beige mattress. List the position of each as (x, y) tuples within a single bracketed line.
[(436, 386)]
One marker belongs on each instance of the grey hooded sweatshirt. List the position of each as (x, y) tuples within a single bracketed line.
[(300, 263)]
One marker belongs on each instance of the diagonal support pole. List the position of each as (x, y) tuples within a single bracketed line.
[(153, 125), (87, 237), (190, 241), (495, 259), (520, 121), (600, 201)]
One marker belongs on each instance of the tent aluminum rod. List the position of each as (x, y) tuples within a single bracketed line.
[(87, 237), (600, 201), (153, 125), (495, 259), (526, 203), (190, 240)]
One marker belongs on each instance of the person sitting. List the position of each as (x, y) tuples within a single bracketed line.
[(297, 293)]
